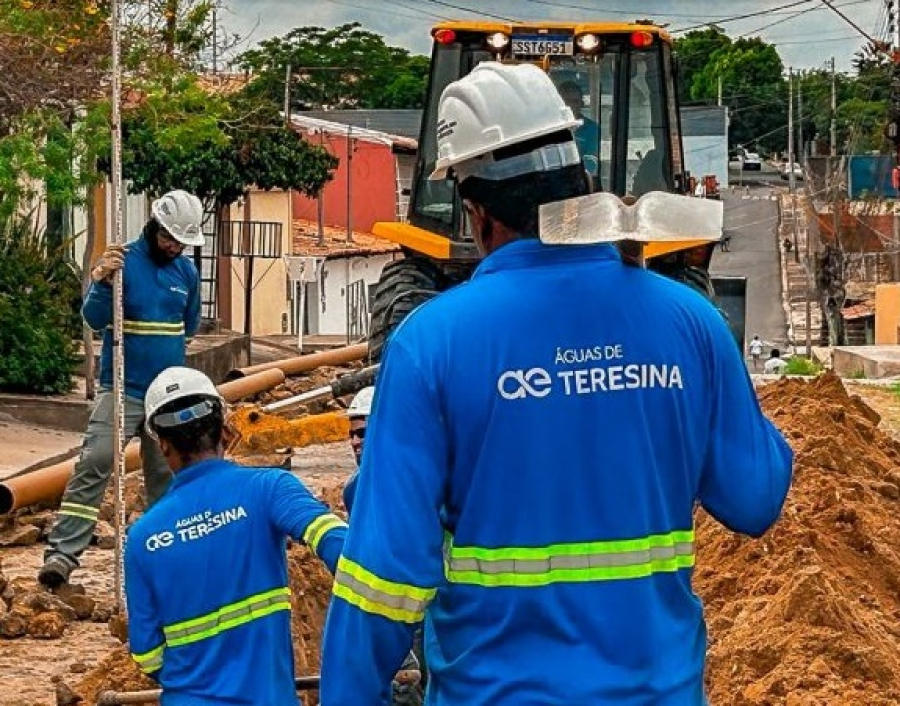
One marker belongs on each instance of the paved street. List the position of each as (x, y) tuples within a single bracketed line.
[(751, 219)]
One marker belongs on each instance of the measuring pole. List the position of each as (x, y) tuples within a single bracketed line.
[(118, 314)]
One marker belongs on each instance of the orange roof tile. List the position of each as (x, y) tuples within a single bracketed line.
[(305, 242)]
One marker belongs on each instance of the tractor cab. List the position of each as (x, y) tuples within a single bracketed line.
[(617, 78)]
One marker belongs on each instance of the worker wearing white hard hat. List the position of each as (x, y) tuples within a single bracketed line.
[(358, 413), (220, 529), (161, 306), (528, 486)]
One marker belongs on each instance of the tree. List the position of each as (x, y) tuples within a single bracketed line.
[(343, 67), (754, 89), (53, 56), (694, 50), (216, 146)]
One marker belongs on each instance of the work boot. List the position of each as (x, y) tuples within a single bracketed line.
[(54, 573)]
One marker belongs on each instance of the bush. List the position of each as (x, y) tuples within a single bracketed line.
[(798, 365), (39, 295)]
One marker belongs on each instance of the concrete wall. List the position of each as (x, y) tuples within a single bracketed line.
[(328, 311), (887, 313), (270, 291), (372, 185)]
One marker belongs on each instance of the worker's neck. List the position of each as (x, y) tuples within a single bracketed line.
[(193, 459)]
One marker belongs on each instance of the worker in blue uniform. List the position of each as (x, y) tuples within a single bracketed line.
[(528, 485), (161, 306), (358, 414), (206, 579)]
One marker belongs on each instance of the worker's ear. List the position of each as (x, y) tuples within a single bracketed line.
[(229, 435), (478, 225)]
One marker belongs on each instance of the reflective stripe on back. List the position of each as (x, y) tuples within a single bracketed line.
[(227, 617), (575, 562)]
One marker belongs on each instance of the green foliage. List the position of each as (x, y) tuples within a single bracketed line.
[(694, 50), (216, 147), (858, 374), (861, 124), (754, 87), (43, 148), (39, 297), (342, 67), (800, 365)]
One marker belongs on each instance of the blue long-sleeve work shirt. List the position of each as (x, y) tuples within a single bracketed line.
[(161, 306), (528, 488), (207, 584)]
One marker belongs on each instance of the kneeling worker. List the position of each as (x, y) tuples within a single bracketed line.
[(209, 602)]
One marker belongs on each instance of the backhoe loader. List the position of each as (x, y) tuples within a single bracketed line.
[(619, 78)]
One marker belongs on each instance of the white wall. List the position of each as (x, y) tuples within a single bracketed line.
[(707, 155), (328, 313)]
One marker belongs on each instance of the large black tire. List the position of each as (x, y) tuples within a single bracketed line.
[(404, 285)]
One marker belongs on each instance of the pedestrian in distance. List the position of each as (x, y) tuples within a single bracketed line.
[(775, 364), (756, 349), (206, 577), (161, 305), (528, 486)]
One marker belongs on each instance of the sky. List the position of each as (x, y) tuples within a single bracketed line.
[(806, 33)]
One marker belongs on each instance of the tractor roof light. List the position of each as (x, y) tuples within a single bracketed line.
[(641, 40), (497, 41), (445, 36), (588, 43)]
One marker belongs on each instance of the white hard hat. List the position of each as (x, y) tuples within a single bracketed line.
[(361, 406), (181, 214), (173, 384), (498, 105)]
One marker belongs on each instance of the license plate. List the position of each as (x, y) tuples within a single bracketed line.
[(541, 45)]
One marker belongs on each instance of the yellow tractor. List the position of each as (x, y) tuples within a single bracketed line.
[(619, 78)]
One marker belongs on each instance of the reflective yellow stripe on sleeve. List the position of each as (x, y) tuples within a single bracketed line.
[(319, 527), (149, 662), (396, 601), (571, 563)]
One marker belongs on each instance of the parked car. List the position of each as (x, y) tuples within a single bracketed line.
[(793, 167), (751, 162)]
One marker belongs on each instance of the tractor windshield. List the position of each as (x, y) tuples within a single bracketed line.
[(628, 139)]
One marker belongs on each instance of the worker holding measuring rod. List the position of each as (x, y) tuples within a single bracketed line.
[(161, 307)]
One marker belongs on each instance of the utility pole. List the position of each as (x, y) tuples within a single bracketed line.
[(893, 131), (215, 39), (320, 199), (720, 90), (349, 183), (833, 110), (792, 178), (287, 95), (801, 143)]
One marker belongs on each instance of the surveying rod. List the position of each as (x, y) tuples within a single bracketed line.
[(118, 312)]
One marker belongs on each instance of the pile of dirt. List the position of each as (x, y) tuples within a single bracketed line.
[(810, 614), (118, 672)]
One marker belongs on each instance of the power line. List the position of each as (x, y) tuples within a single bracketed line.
[(481, 12), (424, 13), (735, 18), (849, 21)]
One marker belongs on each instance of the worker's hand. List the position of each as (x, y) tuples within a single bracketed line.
[(109, 263)]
